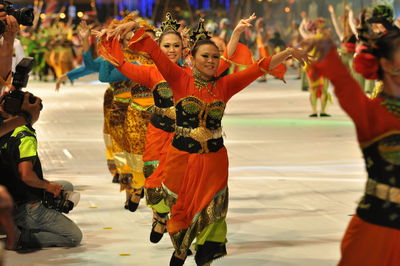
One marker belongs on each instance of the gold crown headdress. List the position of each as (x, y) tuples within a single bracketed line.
[(169, 23), (200, 33)]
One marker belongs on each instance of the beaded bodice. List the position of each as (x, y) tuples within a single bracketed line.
[(164, 110), (198, 125), (139, 91), (381, 202)]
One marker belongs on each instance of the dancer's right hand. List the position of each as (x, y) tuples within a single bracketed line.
[(122, 30), (60, 80)]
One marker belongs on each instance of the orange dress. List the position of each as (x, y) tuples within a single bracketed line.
[(373, 235), (197, 164), (162, 124)]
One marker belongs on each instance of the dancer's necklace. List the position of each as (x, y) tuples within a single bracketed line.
[(391, 103), (200, 83)]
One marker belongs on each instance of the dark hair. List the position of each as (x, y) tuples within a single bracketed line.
[(200, 43), (169, 32), (386, 46)]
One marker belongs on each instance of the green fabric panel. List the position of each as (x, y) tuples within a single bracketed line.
[(151, 162), (28, 144), (160, 207), (215, 232)]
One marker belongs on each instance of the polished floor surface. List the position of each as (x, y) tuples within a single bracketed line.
[(294, 181)]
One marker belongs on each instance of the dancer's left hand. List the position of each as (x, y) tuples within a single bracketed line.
[(302, 56)]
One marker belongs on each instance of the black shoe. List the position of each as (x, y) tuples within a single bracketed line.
[(175, 261), (209, 251), (115, 179), (324, 115), (155, 237), (313, 115), (132, 206)]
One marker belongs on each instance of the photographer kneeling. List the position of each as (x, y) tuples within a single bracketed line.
[(36, 214)]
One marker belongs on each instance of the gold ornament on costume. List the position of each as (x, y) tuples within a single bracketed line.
[(200, 33), (170, 23)]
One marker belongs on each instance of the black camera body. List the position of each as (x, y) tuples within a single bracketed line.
[(65, 201), (13, 100), (24, 16)]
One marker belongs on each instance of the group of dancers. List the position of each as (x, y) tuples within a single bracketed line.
[(162, 125)]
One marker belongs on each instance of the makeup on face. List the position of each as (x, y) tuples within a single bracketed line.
[(171, 45), (206, 60)]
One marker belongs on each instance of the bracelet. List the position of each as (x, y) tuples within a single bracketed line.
[(129, 36), (27, 116)]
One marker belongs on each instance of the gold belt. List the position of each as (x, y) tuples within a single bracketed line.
[(200, 134), (168, 112), (382, 191)]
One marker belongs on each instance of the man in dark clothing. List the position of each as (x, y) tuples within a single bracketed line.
[(23, 177)]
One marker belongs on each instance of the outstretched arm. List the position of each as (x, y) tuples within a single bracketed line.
[(144, 75), (352, 21), (241, 26), (238, 81), (169, 70), (302, 27), (142, 42), (334, 22)]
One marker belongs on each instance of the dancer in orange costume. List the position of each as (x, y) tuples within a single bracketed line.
[(162, 126), (373, 235), (200, 98), (318, 85)]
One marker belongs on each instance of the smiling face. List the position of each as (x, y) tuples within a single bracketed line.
[(206, 60), (171, 45)]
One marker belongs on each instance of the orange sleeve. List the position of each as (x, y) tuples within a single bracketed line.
[(349, 93), (239, 80), (172, 73), (147, 76), (241, 57)]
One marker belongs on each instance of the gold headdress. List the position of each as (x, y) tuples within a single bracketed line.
[(200, 33), (169, 23)]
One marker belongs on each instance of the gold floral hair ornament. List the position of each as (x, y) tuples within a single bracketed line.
[(200, 33)]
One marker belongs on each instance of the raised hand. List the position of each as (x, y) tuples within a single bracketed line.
[(122, 30), (244, 23), (84, 30), (100, 34), (331, 9)]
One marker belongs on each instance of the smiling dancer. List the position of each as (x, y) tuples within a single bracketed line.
[(162, 127), (373, 235), (200, 98)]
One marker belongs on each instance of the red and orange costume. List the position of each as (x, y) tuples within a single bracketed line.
[(373, 235), (197, 163), (162, 123)]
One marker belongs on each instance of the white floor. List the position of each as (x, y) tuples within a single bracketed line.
[(294, 181)]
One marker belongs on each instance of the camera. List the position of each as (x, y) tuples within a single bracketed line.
[(24, 16), (13, 100), (65, 201)]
